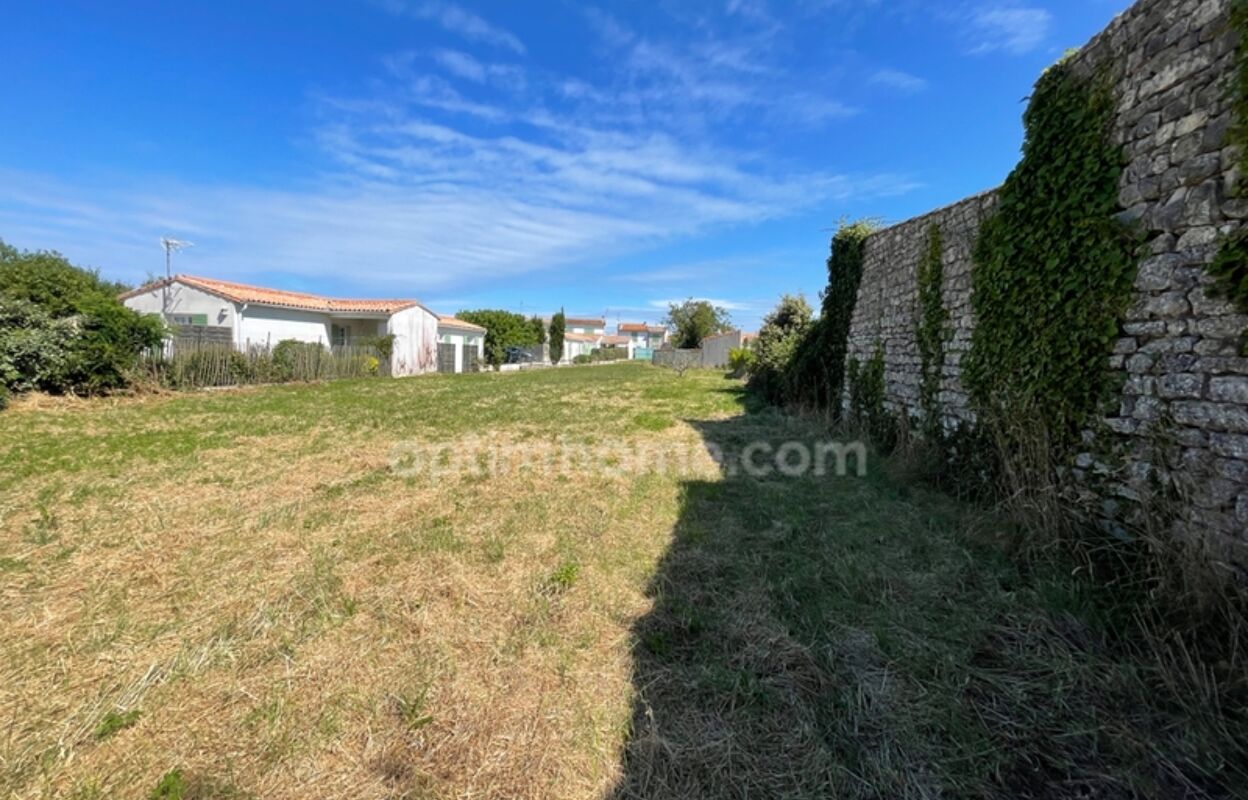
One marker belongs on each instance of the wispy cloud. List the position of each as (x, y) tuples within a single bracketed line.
[(435, 181), (899, 80), (458, 20), (1012, 28)]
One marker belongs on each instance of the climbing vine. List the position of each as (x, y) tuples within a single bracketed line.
[(866, 398), (816, 374), (1053, 269), (1229, 267), (932, 322)]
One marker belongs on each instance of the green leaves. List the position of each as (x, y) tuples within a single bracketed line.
[(816, 375), (1053, 269), (503, 329), (694, 320), (932, 326)]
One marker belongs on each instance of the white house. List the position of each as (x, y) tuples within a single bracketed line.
[(642, 336), (252, 316), (461, 345), (585, 326)]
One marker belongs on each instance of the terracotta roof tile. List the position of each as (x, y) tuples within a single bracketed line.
[(586, 322), (259, 295), (639, 327)]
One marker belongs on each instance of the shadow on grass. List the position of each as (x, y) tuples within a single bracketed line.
[(843, 637)]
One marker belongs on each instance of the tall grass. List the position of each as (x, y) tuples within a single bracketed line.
[(212, 365)]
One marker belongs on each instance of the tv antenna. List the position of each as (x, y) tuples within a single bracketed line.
[(172, 246)]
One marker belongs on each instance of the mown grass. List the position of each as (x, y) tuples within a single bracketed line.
[(233, 594)]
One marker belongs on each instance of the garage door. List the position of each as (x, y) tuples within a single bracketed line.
[(446, 357)]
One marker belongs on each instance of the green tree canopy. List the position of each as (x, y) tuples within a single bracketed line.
[(694, 320), (503, 329), (87, 341), (539, 329)]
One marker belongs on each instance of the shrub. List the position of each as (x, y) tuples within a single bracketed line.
[(35, 349), (609, 353), (297, 361), (741, 360), (4, 397), (63, 329), (778, 339), (583, 358)]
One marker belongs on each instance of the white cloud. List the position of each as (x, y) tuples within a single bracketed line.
[(1011, 28), (464, 66), (433, 183), (459, 21), (899, 80)]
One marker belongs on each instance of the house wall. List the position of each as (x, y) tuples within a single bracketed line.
[(186, 300), (264, 326), (464, 341), (415, 341), (1177, 357)]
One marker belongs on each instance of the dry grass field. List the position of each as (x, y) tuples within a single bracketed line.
[(238, 594)]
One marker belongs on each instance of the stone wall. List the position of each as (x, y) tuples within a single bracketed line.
[(1183, 411)]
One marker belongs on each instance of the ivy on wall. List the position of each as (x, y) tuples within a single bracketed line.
[(867, 391), (816, 375), (1053, 269), (1230, 267), (931, 328)]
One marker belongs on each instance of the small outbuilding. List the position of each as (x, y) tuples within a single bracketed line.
[(461, 345)]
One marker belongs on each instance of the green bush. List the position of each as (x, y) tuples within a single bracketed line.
[(816, 373), (4, 397), (583, 358), (35, 349), (778, 339), (62, 329), (741, 360), (297, 361), (609, 353)]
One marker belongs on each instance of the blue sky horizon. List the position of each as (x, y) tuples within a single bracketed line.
[(606, 158)]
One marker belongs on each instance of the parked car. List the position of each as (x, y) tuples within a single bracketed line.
[(517, 355)]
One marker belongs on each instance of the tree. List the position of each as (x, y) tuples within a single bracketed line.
[(539, 329), (778, 339), (63, 328), (694, 320), (503, 329), (558, 326)]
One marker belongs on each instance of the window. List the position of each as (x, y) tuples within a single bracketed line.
[(337, 335), (188, 319)]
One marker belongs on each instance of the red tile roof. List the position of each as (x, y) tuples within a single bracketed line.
[(452, 322), (614, 340), (586, 322), (582, 337), (639, 327), (258, 295)]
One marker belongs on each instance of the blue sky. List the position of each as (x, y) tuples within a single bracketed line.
[(605, 158)]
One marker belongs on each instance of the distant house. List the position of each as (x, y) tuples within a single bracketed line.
[(579, 344), (461, 345), (588, 326), (242, 316), (643, 338)]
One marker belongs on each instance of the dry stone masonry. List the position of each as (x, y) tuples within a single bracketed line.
[(1183, 409)]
